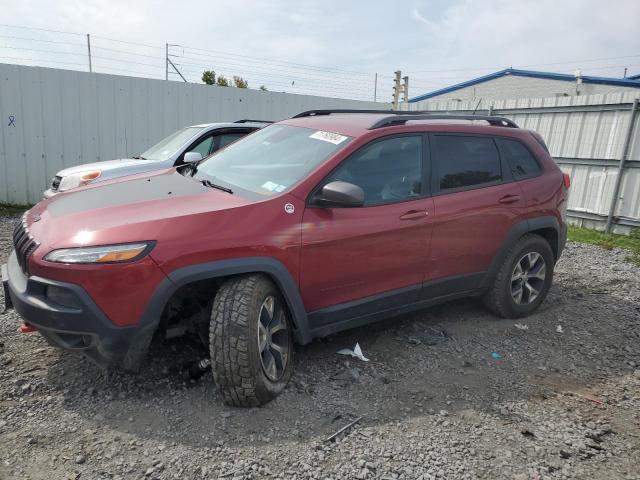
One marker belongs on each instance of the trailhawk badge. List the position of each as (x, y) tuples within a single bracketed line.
[(289, 208)]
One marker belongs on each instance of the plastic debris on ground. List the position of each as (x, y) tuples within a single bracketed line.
[(559, 329), (356, 352), (520, 326), (496, 355)]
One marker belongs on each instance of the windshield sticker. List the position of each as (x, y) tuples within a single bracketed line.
[(273, 187), (334, 138)]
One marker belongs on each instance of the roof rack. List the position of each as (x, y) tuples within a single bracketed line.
[(315, 113), (400, 117), (248, 120)]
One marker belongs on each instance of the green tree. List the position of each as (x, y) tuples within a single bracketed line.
[(209, 77), (240, 82), (222, 81)]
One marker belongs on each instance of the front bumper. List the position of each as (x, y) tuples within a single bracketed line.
[(65, 315)]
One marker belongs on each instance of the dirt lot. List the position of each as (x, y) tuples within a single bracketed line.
[(435, 402)]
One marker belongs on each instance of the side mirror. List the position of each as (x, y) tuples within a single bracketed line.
[(192, 157), (340, 194)]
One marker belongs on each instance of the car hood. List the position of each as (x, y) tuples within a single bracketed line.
[(144, 207), (135, 165)]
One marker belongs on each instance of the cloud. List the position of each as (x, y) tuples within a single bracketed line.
[(438, 42)]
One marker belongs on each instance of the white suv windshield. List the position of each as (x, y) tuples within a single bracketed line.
[(271, 160), (168, 146)]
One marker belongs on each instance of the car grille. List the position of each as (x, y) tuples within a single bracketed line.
[(24, 244), (55, 183)]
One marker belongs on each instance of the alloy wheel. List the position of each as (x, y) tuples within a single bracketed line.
[(273, 338), (527, 278)]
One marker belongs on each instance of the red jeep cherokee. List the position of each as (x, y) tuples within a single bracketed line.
[(320, 223)]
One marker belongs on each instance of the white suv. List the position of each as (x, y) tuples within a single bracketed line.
[(189, 144)]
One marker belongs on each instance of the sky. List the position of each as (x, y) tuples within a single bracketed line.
[(331, 48)]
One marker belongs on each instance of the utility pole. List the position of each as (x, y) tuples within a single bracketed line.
[(166, 61), (375, 88), (405, 89), (89, 51), (396, 89)]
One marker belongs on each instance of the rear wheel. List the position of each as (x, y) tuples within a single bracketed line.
[(250, 341), (523, 280)]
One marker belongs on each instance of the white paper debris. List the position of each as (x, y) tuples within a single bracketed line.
[(559, 329), (521, 326), (356, 352)]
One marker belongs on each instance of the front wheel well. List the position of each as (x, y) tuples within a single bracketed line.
[(191, 303)]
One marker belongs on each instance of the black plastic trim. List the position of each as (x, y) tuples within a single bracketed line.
[(84, 328), (222, 268), (390, 304)]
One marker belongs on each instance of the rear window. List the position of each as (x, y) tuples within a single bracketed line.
[(465, 161), (521, 161)]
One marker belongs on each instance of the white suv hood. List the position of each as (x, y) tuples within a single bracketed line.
[(117, 168)]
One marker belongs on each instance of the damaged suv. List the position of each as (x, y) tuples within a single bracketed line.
[(323, 222)]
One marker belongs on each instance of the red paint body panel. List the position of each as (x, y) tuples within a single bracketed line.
[(352, 253), (469, 228)]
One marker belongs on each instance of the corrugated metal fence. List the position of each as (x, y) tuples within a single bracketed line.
[(586, 135), (53, 118)]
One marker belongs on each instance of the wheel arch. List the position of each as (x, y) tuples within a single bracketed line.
[(547, 227), (224, 268)]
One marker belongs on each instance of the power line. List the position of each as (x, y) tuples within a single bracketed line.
[(526, 66), (40, 60), (41, 29), (41, 40)]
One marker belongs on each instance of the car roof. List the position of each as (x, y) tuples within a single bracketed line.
[(355, 124)]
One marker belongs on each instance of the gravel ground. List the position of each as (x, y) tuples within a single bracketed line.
[(434, 401)]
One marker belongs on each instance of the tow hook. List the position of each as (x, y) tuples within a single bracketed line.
[(197, 369), (27, 328)]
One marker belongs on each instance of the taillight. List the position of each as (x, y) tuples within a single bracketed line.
[(567, 180)]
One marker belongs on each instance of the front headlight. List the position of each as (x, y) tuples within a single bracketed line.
[(106, 254), (79, 179)]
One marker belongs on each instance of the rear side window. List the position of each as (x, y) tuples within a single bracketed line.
[(465, 161), (521, 161)]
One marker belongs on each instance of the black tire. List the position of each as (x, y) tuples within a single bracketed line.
[(500, 297), (236, 358)]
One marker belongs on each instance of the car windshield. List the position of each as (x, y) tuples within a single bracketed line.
[(168, 146), (271, 160)]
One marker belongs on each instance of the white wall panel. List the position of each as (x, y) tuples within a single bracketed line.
[(64, 118)]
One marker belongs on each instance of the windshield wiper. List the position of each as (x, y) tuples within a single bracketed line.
[(210, 184), (139, 157)]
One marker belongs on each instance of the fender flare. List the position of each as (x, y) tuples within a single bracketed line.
[(276, 270), (515, 233)]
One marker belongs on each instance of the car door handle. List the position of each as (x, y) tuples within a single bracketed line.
[(414, 215), (510, 199)]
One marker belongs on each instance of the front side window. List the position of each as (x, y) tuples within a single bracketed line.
[(521, 162), (271, 160), (203, 147), (465, 161), (387, 170), (165, 148), (225, 139)]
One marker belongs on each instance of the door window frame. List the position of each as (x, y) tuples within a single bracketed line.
[(535, 159), (425, 187), (505, 169), (211, 133)]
